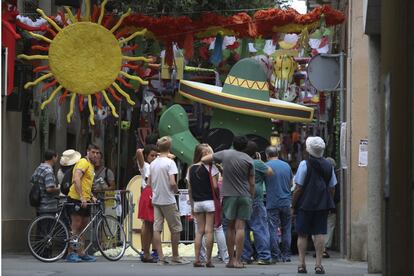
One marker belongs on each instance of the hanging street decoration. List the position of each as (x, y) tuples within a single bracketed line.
[(89, 56), (85, 58)]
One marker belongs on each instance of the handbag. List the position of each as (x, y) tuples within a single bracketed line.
[(217, 203)]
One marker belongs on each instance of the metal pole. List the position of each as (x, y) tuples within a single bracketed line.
[(118, 159), (343, 204), (341, 171)]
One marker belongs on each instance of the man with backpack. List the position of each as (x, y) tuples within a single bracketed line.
[(68, 160), (45, 178), (312, 199)]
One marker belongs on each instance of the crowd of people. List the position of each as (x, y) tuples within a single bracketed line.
[(244, 203)]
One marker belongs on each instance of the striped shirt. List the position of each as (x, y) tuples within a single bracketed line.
[(45, 177)]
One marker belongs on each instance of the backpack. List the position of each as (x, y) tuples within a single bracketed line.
[(35, 195), (66, 181)]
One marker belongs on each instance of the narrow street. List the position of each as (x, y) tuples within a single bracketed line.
[(264, 130)]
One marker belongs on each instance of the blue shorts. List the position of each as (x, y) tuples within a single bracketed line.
[(311, 222)]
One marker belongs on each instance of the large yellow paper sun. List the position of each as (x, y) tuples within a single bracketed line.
[(85, 59)]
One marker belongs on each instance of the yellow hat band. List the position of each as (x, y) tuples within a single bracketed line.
[(256, 85)]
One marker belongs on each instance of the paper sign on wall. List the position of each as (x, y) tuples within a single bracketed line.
[(363, 153)]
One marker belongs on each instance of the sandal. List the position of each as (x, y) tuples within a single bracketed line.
[(198, 264), (149, 260), (325, 255), (302, 269), (319, 269), (210, 264)]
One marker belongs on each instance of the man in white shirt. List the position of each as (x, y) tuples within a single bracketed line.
[(164, 188)]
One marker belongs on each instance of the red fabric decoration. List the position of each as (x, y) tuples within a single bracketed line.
[(113, 93), (124, 83), (48, 85), (95, 13), (41, 68), (169, 54), (188, 46), (177, 29), (8, 40), (80, 102), (63, 96), (243, 25), (233, 46), (98, 97), (322, 103), (203, 51)]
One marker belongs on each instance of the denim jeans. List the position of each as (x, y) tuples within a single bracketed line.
[(280, 218), (257, 224)]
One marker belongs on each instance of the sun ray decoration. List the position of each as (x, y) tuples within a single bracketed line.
[(86, 58)]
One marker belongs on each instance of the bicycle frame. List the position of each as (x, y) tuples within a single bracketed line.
[(99, 214)]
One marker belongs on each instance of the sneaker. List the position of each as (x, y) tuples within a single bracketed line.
[(88, 258), (264, 262), (154, 255), (246, 262), (179, 260), (73, 258), (275, 261)]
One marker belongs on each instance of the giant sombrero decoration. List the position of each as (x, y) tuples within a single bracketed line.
[(246, 91), (242, 107)]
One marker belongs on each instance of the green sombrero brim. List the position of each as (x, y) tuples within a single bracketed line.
[(212, 95)]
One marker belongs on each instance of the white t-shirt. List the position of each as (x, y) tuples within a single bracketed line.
[(145, 173), (160, 170)]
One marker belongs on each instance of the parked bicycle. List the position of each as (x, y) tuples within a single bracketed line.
[(48, 237)]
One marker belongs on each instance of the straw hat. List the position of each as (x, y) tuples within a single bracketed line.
[(69, 157), (315, 146)]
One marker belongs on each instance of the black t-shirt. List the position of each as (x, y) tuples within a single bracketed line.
[(200, 183)]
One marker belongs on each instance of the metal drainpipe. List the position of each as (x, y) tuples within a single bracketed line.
[(341, 172), (118, 159)]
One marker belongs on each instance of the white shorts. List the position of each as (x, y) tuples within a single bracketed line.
[(204, 206)]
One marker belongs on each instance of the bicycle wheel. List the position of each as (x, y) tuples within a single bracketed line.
[(47, 238), (111, 238)]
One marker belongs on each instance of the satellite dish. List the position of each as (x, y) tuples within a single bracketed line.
[(323, 72)]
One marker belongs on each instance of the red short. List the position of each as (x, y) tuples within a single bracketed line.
[(145, 208)]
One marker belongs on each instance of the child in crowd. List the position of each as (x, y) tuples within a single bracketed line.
[(164, 186), (145, 210), (202, 183)]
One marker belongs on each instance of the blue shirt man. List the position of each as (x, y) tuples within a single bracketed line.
[(278, 202)]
